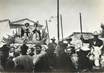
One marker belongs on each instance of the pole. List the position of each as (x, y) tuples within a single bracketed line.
[(81, 26), (80, 23), (61, 26), (58, 31), (47, 29)]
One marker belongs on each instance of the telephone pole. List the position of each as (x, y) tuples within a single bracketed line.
[(61, 26), (58, 30)]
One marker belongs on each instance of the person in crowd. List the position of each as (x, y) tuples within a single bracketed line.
[(53, 43), (26, 30), (74, 57), (63, 62), (70, 46), (96, 44), (11, 52), (38, 53), (71, 50), (24, 62), (10, 62), (84, 53), (84, 64), (31, 52), (51, 57), (46, 62), (36, 33), (69, 41), (4, 54)]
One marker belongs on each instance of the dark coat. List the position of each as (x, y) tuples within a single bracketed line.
[(64, 63), (23, 63), (46, 63)]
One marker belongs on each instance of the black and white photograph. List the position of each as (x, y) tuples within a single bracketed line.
[(51, 36)]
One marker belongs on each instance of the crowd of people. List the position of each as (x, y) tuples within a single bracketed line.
[(38, 58), (63, 56)]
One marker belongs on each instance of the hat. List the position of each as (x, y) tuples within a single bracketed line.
[(53, 38), (68, 39), (95, 33)]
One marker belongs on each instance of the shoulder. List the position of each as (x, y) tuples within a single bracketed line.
[(99, 40), (29, 56), (17, 58)]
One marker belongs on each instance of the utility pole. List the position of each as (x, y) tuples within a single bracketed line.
[(80, 23), (58, 30), (81, 26), (61, 26)]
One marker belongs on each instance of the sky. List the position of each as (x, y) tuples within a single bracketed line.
[(92, 13)]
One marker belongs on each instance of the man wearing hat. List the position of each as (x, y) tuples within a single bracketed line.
[(70, 45), (53, 42), (96, 46), (69, 41), (93, 41)]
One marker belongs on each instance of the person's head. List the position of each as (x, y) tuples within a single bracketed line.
[(5, 49), (53, 39), (35, 25), (95, 34), (69, 40), (27, 24), (12, 49), (38, 48), (23, 49)]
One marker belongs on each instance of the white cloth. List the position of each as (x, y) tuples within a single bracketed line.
[(97, 53), (36, 36), (85, 47)]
